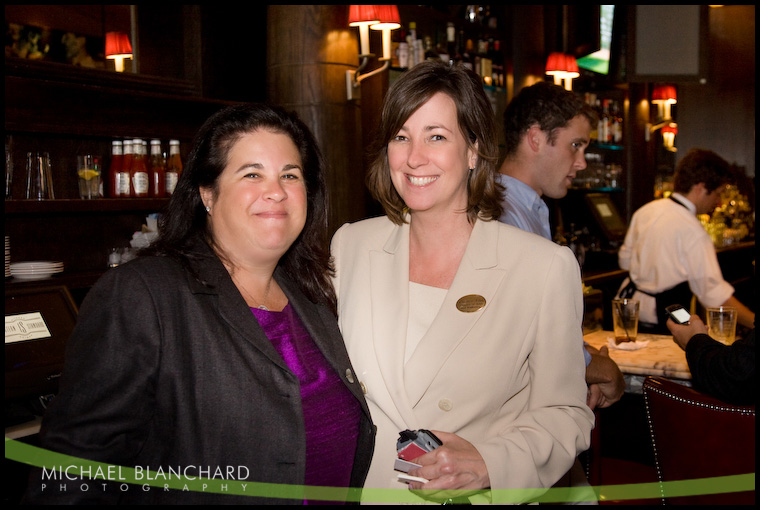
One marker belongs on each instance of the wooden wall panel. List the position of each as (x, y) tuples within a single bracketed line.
[(309, 50)]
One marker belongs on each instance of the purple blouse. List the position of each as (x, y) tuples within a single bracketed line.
[(331, 413)]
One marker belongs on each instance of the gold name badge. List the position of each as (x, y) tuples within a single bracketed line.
[(471, 303)]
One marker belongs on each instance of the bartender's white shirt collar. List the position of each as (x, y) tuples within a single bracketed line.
[(685, 201)]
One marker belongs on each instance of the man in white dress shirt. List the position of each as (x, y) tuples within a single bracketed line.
[(667, 252)]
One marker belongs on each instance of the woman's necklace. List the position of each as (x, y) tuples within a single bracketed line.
[(254, 300)]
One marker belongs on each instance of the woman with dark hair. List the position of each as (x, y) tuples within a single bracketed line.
[(217, 350), (456, 322)]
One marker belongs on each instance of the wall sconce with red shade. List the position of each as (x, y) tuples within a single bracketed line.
[(664, 96), (118, 48), (362, 16), (669, 133), (376, 17), (563, 68)]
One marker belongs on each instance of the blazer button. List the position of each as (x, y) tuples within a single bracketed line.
[(349, 376), (364, 388), (445, 404)]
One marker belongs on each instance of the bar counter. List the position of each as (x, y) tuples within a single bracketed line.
[(661, 356)]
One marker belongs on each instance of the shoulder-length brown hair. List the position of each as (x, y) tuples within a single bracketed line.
[(476, 121)]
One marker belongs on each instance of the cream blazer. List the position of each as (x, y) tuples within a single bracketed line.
[(509, 378)]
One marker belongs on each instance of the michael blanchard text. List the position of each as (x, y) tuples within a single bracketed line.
[(143, 474)]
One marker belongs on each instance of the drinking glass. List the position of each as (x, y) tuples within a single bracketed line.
[(721, 324), (39, 178), (8, 172), (88, 174), (625, 319)]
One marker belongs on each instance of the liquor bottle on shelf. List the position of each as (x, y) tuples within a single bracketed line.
[(471, 13), (430, 52), (451, 42), (468, 54), (457, 56), (497, 62), (125, 179), (173, 166), (403, 55), (490, 19), (598, 130), (140, 182), (114, 170), (398, 38), (419, 51), (443, 53), (157, 170), (411, 41), (604, 122), (617, 123), (594, 135), (485, 69), (482, 47)]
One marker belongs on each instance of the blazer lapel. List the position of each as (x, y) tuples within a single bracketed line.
[(306, 312), (478, 275), (231, 306), (389, 280)]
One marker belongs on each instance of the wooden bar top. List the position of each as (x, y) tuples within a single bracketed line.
[(660, 357)]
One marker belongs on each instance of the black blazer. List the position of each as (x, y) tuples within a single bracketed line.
[(162, 370)]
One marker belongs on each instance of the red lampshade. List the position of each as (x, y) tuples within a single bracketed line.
[(669, 133), (664, 94), (555, 64), (117, 43), (118, 48), (571, 67), (388, 16), (362, 14), (562, 65), (377, 17)]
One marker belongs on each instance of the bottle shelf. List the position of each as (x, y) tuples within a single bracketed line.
[(21, 207), (598, 189), (606, 146)]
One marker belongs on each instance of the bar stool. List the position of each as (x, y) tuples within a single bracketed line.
[(697, 436)]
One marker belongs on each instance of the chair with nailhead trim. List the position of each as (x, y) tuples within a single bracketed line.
[(697, 436)]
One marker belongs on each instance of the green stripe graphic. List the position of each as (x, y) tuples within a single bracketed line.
[(72, 466)]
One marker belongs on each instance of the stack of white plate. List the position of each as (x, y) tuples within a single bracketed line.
[(35, 270), (7, 257)]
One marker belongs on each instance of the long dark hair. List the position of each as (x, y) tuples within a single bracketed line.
[(476, 120), (307, 262)]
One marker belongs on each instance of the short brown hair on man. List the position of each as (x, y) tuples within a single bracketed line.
[(544, 104), (701, 165)]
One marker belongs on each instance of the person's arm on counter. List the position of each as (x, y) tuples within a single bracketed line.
[(746, 316), (724, 371)]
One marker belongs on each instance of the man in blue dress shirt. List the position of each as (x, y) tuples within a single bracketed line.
[(547, 130)]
